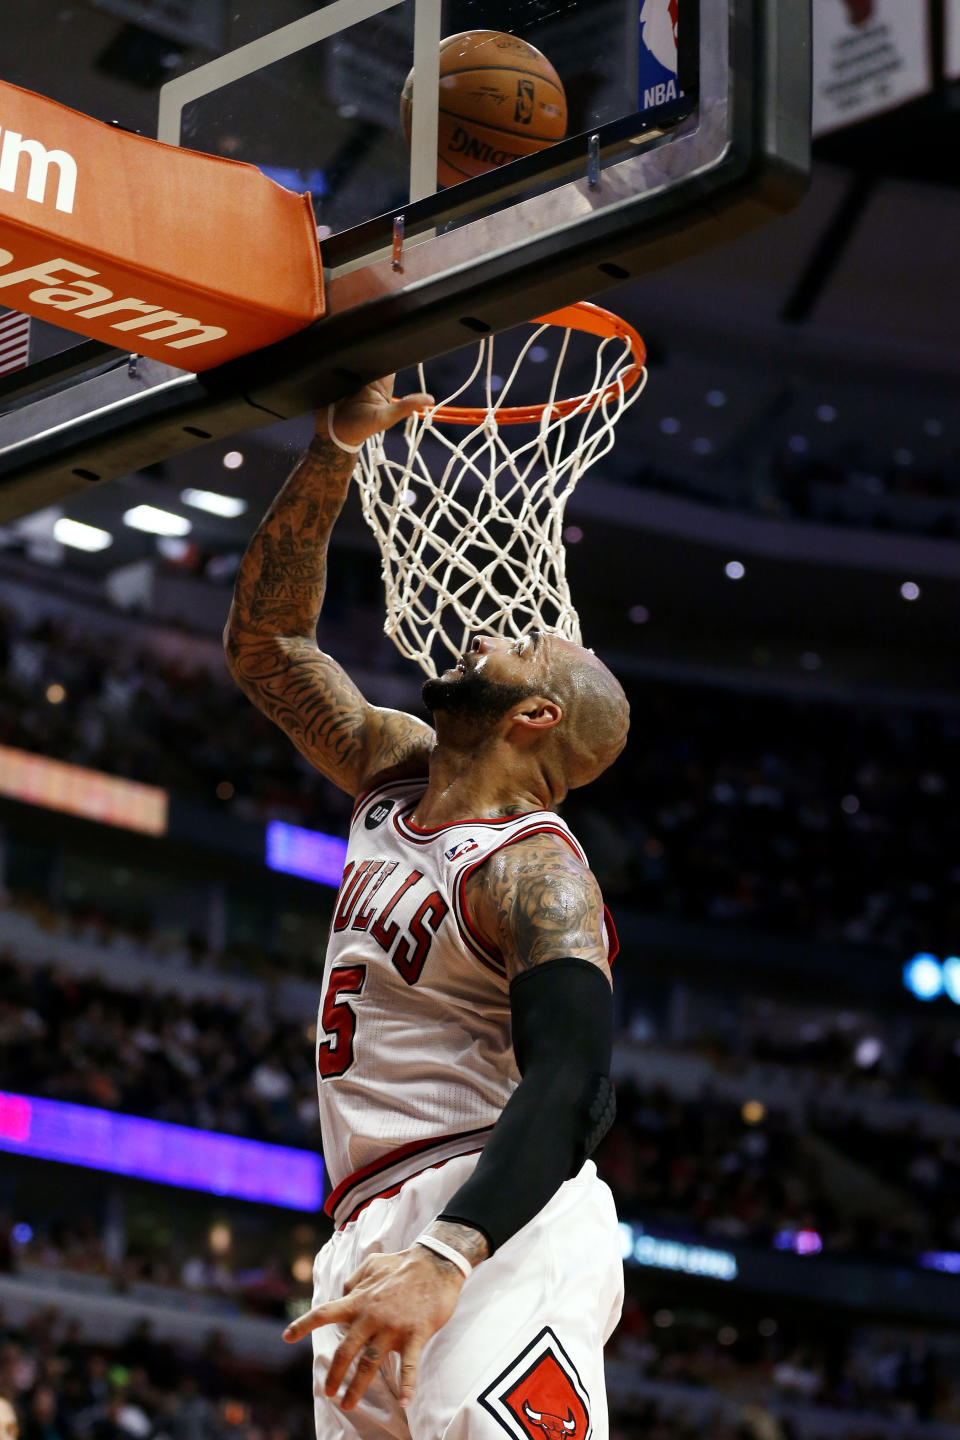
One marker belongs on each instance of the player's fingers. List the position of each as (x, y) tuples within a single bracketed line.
[(346, 1352), (402, 408), (358, 1275), (409, 1366), (372, 1356), (327, 1314)]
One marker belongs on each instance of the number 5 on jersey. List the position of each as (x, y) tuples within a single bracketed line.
[(335, 1053)]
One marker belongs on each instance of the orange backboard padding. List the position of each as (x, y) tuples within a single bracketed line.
[(184, 257)]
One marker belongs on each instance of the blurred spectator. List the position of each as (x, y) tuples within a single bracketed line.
[(9, 1425), (44, 1418), (193, 1416)]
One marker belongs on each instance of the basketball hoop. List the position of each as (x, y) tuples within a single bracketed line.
[(470, 528)]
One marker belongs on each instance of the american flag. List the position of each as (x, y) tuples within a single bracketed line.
[(14, 341)]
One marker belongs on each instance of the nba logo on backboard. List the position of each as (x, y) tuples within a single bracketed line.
[(658, 53)]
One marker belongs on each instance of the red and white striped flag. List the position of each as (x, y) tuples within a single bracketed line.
[(14, 341)]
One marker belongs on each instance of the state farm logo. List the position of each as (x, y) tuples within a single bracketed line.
[(29, 168), (14, 148), (64, 285), (540, 1396)]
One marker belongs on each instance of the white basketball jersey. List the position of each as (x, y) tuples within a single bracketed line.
[(414, 1053)]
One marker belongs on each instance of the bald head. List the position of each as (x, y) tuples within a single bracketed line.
[(596, 713), (499, 687)]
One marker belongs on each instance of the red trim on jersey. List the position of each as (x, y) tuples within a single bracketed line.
[(428, 832), (613, 939), (469, 820), (471, 939), (395, 1189), (413, 1147)]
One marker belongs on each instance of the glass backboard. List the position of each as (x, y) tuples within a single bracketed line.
[(318, 105), (686, 121)]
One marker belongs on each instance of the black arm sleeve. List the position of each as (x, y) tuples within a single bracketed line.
[(562, 1014)]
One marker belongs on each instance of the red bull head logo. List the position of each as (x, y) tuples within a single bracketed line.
[(552, 1426), (859, 11), (540, 1395)]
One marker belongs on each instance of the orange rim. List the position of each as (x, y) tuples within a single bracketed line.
[(585, 316)]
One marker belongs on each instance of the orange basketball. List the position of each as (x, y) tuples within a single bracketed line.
[(499, 99)]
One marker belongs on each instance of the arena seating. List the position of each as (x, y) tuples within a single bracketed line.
[(787, 817)]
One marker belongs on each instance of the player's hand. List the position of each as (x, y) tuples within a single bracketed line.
[(369, 411), (393, 1302)]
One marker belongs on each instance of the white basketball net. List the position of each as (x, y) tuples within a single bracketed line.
[(473, 540)]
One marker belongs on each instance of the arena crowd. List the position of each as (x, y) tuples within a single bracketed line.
[(791, 817), (706, 1163)]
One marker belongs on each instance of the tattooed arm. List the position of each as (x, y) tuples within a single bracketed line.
[(270, 636), (535, 901)]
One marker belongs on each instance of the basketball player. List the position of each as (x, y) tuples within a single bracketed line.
[(464, 1036)]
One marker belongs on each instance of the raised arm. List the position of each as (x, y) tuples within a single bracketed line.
[(270, 635)]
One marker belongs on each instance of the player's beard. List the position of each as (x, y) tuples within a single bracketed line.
[(473, 697)]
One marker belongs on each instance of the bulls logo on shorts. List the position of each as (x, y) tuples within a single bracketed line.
[(540, 1396)]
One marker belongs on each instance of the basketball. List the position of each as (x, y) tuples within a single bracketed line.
[(500, 99)]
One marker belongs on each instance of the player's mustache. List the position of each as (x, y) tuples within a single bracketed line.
[(472, 694)]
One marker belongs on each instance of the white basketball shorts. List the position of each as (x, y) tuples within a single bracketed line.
[(522, 1355)]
